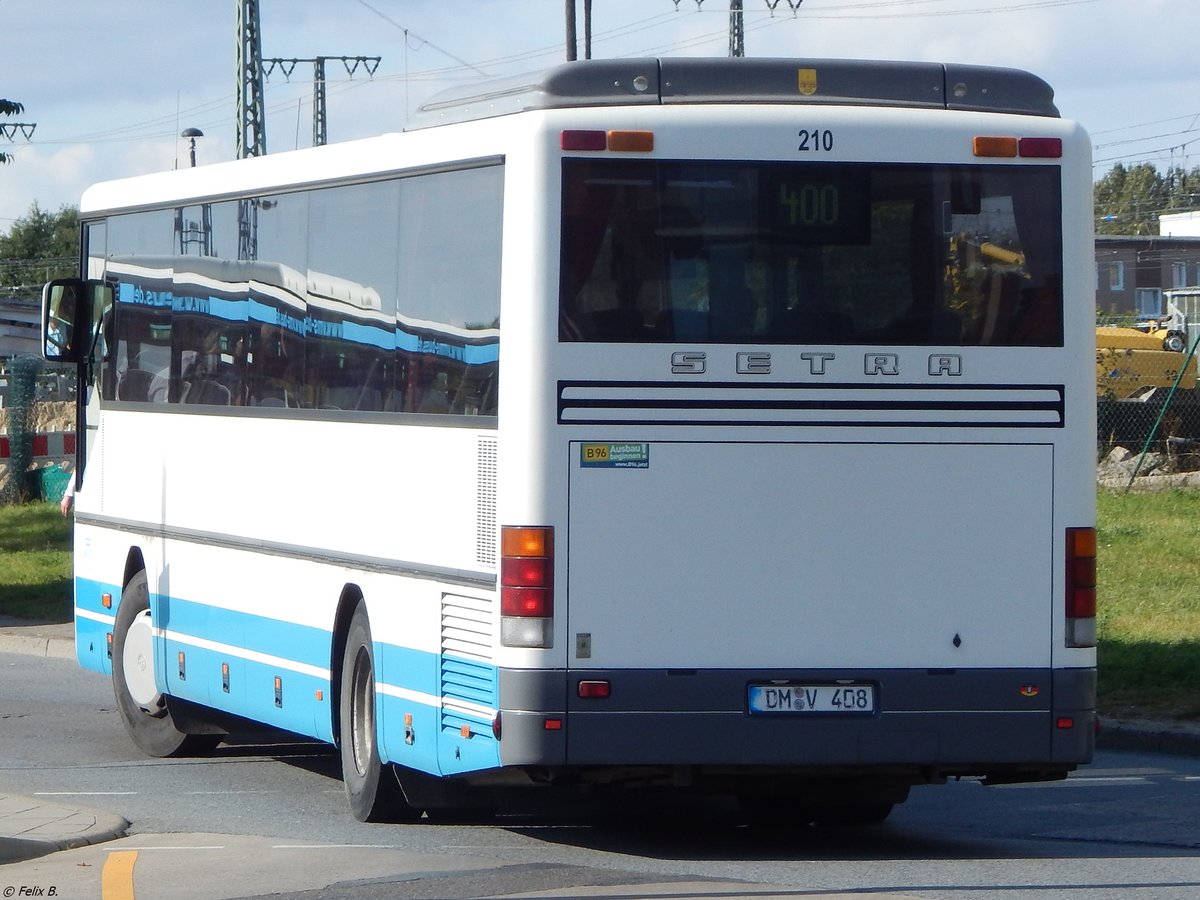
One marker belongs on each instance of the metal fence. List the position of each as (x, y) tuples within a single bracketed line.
[(1147, 393), (24, 383)]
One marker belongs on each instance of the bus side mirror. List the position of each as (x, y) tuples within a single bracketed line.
[(72, 310)]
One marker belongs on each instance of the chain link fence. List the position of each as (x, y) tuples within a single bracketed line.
[(32, 401), (1147, 393)]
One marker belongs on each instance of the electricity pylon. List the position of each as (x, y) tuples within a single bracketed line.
[(320, 107)]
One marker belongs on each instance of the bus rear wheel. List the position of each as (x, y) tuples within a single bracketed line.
[(371, 785), (143, 709)]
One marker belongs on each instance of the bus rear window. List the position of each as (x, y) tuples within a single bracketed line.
[(798, 253)]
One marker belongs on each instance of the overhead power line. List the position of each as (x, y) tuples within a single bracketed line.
[(408, 31)]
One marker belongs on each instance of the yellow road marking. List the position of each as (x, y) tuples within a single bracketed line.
[(116, 881)]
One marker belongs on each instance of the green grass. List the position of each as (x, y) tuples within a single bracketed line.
[(1148, 617), (35, 562)]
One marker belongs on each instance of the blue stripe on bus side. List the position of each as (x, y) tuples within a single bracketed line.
[(408, 680)]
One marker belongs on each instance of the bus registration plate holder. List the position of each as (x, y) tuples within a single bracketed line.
[(820, 699)]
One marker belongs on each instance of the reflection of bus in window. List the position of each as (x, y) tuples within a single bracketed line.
[(786, 495)]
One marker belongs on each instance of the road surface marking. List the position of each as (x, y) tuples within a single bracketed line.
[(116, 880)]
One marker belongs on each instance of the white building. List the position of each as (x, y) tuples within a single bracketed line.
[(1185, 224)]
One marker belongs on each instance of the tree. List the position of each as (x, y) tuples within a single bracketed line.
[(40, 245), (9, 108), (1129, 200)]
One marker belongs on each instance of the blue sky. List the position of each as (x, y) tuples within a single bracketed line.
[(110, 85)]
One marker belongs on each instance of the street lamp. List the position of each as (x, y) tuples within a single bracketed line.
[(191, 134)]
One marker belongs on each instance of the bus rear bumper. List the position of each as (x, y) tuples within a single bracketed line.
[(1004, 725)]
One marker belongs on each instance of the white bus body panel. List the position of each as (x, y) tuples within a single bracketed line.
[(815, 556)]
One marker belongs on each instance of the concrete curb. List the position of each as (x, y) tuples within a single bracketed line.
[(30, 828), (37, 643), (1174, 738)]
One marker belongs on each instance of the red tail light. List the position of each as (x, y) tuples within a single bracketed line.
[(1081, 587), (526, 586)]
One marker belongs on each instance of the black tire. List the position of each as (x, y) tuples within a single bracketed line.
[(147, 721), (371, 786)]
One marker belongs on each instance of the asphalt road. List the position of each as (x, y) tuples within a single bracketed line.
[(268, 817)]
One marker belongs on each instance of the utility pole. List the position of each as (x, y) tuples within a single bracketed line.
[(572, 40), (737, 25), (587, 29), (737, 29), (572, 50), (320, 106), (251, 120)]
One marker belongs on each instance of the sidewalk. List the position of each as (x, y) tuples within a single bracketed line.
[(31, 828)]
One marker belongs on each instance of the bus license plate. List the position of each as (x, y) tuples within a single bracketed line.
[(836, 699)]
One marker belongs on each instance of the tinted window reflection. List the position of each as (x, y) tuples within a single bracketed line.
[(372, 297), (795, 253)]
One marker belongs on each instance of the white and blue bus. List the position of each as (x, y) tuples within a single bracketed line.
[(724, 425)]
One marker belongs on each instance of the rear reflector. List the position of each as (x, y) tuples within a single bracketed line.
[(583, 140), (1040, 148), (593, 690)]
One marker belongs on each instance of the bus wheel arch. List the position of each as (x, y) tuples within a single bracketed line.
[(144, 711), (349, 601)]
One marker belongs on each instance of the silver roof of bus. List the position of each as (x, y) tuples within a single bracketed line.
[(650, 82)]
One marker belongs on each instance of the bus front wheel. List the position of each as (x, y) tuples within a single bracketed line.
[(143, 709), (371, 785)]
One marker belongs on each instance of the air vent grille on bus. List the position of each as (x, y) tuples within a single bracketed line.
[(485, 512), (468, 677), (772, 404)]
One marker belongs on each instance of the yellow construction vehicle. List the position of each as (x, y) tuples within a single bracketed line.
[(1129, 360)]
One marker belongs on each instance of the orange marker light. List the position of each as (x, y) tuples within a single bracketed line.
[(516, 541), (631, 141), (995, 146)]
